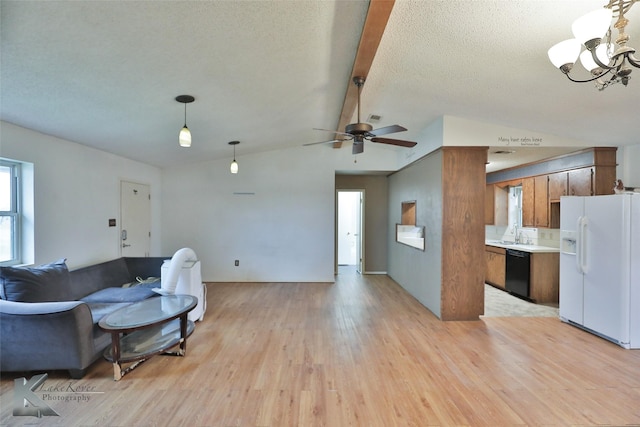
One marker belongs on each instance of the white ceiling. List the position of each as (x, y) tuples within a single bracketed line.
[(105, 73)]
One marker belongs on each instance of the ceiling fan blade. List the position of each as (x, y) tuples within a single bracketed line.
[(398, 142), (322, 142), (387, 129), (334, 131)]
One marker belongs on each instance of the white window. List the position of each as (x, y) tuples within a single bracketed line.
[(10, 213)]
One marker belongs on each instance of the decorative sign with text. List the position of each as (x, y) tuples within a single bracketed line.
[(524, 141)]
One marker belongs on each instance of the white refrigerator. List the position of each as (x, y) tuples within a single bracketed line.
[(600, 265)]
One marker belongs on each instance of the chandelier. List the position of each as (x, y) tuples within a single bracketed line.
[(608, 61)]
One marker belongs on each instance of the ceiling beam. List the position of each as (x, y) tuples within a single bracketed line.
[(374, 26)]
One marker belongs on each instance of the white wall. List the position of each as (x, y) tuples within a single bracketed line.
[(77, 190), (417, 271), (283, 232), (629, 165), (460, 132), (430, 140), (276, 216)]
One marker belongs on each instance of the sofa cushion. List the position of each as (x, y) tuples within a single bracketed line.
[(113, 295), (90, 279), (44, 283), (101, 309)]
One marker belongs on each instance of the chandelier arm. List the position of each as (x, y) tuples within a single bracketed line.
[(600, 63), (633, 60), (591, 79)]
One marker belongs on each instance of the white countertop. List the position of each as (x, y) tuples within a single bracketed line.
[(521, 247)]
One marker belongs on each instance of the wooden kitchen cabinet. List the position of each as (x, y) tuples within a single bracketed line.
[(528, 202), (496, 203), (544, 273), (489, 205), (558, 183), (544, 277), (541, 205), (535, 202), (541, 202), (580, 182), (496, 266)]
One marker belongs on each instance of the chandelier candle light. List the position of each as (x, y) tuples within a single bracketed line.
[(185, 134), (607, 61)]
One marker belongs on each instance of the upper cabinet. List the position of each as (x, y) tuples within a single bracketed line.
[(581, 182), (489, 205), (541, 208), (586, 173), (535, 206), (576, 182), (496, 205), (558, 183), (528, 202)]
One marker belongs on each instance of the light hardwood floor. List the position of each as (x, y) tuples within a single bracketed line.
[(360, 352)]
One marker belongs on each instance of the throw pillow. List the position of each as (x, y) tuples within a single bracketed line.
[(44, 283)]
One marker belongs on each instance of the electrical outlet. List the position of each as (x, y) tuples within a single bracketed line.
[(237, 262)]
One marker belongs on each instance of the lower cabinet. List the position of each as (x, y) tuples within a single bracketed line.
[(496, 266), (544, 279), (544, 275)]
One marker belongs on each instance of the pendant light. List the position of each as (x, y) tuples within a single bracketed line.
[(234, 164), (185, 134)]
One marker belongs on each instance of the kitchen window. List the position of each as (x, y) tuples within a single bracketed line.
[(10, 213)]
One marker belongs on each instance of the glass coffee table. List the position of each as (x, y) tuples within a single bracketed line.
[(148, 327)]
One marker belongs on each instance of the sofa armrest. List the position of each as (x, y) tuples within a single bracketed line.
[(46, 336)]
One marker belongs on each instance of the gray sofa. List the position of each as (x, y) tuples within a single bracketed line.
[(49, 315)]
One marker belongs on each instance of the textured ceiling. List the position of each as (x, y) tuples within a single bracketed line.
[(105, 73)]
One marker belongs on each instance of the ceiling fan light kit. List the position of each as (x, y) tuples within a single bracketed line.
[(359, 132), (608, 61), (184, 138)]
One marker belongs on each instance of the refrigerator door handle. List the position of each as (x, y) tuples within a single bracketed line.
[(581, 257), (578, 243)]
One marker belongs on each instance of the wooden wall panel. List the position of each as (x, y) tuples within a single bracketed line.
[(463, 246), (605, 170)]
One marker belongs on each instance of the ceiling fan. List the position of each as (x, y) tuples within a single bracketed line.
[(359, 132)]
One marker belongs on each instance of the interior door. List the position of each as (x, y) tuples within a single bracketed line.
[(347, 227), (349, 233), (359, 238), (135, 219)]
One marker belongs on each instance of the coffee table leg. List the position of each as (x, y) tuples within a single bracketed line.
[(183, 334), (115, 350)]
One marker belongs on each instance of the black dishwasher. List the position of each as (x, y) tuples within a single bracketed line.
[(517, 277)]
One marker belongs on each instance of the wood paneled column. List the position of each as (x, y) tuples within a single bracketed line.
[(463, 232)]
